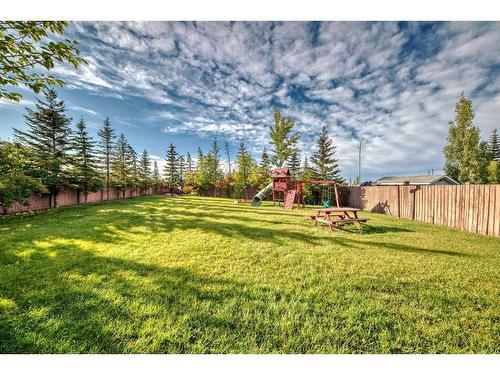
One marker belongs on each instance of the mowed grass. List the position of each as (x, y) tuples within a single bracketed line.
[(202, 275)]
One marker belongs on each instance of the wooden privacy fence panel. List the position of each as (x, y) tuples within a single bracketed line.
[(473, 208), (72, 197)]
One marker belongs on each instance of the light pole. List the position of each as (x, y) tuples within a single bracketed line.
[(359, 160)]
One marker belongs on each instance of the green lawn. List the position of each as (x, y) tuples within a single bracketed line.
[(201, 275)]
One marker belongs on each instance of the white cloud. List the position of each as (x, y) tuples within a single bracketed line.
[(396, 87)]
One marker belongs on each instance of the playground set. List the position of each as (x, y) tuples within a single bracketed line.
[(285, 189)]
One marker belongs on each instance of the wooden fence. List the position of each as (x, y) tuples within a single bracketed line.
[(72, 197), (473, 208)]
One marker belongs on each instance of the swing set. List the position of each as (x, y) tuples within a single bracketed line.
[(291, 192)]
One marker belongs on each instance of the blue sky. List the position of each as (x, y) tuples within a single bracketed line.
[(395, 84)]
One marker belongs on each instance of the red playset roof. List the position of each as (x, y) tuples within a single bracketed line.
[(280, 172)]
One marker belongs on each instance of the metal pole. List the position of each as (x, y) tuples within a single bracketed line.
[(359, 160)]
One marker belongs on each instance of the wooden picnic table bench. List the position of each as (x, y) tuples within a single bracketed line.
[(337, 215)]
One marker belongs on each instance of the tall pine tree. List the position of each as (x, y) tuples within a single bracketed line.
[(120, 165), (245, 165), (294, 163), (323, 160), (215, 173), (133, 167), (189, 164), (262, 174), (228, 156), (49, 135), (494, 145), (182, 171), (171, 168), (156, 178), (200, 158), (106, 145), (85, 162), (145, 170)]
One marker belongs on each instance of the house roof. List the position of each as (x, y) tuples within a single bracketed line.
[(415, 180)]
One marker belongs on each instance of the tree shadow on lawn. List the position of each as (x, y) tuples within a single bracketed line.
[(86, 303), (76, 301), (114, 225), (401, 247)]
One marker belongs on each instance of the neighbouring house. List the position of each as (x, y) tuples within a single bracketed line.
[(416, 180)]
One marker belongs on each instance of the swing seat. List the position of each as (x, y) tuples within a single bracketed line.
[(326, 203)]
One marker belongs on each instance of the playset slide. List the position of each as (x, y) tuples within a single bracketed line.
[(261, 195)]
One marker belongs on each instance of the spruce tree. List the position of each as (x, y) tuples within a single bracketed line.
[(200, 157), (245, 165), (324, 163), (308, 173), (214, 165), (182, 170), (294, 163), (106, 145), (133, 167), (263, 172), (120, 165), (84, 160), (189, 164), (494, 145), (145, 170), (282, 138), (463, 152), (228, 156), (171, 169), (49, 135), (156, 179)]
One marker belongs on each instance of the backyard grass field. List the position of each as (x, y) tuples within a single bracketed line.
[(206, 275)]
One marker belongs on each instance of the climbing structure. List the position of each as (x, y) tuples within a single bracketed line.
[(285, 189), (291, 192)]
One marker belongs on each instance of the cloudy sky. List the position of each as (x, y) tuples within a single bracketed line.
[(395, 84)]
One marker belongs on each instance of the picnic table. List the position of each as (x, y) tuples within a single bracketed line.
[(337, 215)]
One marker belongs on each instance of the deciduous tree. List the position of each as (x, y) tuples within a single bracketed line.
[(463, 153), (282, 138), (28, 51)]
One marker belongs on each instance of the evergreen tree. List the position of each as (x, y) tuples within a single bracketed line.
[(228, 155), (85, 162), (171, 168), (311, 192), (200, 157), (282, 139), (189, 164), (245, 165), (494, 145), (145, 170), (294, 163), (182, 172), (49, 135), (215, 173), (120, 165), (156, 179), (133, 167), (106, 144), (325, 164), (262, 174), (463, 152)]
